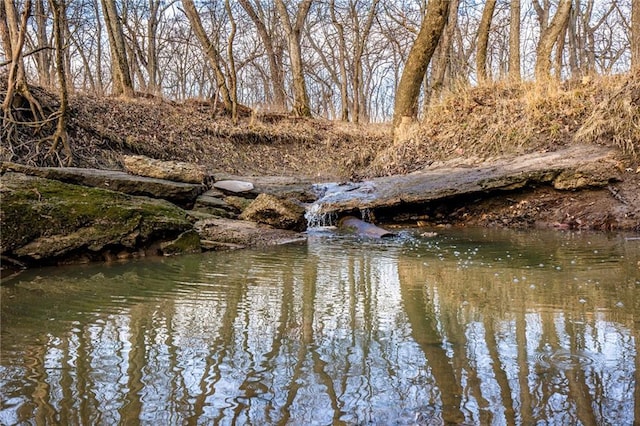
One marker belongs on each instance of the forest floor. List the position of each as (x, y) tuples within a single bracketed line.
[(466, 128)]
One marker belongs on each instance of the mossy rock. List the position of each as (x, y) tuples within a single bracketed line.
[(47, 221)]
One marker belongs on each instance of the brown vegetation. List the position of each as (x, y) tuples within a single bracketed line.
[(516, 118), (467, 125)]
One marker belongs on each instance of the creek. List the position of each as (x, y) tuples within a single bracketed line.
[(474, 326)]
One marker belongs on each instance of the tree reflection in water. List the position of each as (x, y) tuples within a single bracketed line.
[(476, 328)]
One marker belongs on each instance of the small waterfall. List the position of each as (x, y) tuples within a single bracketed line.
[(317, 219)]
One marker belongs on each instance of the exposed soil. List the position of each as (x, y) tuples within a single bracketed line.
[(614, 208)]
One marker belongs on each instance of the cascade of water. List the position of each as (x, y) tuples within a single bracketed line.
[(318, 219)]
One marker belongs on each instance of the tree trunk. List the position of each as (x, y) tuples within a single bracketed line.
[(275, 63), (301, 107), (360, 42), (406, 103), (549, 38), (43, 57), (635, 35), (16, 32), (514, 41), (483, 40), (152, 50), (123, 85), (233, 78), (559, 54), (443, 59), (60, 136), (342, 60), (210, 50)]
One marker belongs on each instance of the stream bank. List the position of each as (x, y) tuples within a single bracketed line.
[(68, 215)]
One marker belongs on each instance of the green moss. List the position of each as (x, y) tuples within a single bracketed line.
[(33, 208)]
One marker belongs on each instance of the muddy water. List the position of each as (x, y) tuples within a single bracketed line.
[(476, 327)]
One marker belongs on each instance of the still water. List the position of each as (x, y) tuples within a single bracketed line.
[(471, 327)]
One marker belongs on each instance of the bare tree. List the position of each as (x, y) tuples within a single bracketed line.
[(342, 61), (274, 56), (548, 38), (483, 40), (13, 31), (233, 77), (122, 83), (361, 36), (514, 41), (293, 31), (635, 34), (60, 137), (443, 53), (43, 57), (213, 55), (408, 92)]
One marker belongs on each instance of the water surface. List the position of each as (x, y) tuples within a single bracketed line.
[(473, 326)]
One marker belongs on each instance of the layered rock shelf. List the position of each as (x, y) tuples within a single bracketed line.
[(61, 215)]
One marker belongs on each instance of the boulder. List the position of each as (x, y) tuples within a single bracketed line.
[(233, 186), (225, 234), (360, 227), (182, 194), (45, 221), (177, 171), (277, 212)]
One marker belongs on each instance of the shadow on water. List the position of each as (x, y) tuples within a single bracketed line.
[(473, 327)]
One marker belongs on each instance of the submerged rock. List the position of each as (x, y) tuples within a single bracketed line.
[(177, 171), (360, 227), (277, 212), (46, 221)]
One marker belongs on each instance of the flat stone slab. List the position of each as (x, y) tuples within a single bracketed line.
[(177, 171), (182, 194), (572, 168), (218, 233)]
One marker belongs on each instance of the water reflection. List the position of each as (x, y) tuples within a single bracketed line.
[(477, 327)]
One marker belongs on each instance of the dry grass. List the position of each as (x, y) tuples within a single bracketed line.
[(509, 119), (467, 125), (616, 119)]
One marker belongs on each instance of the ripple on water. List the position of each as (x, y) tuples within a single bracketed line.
[(564, 359)]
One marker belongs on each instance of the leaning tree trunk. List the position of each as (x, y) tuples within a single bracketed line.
[(301, 107), (635, 34), (275, 68), (213, 55), (514, 41), (123, 85), (483, 40), (408, 92), (548, 39)]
